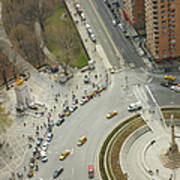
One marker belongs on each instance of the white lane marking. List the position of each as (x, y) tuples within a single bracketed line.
[(72, 170), (72, 151), (150, 93), (149, 80)]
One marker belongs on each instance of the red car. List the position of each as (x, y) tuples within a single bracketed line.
[(90, 171)]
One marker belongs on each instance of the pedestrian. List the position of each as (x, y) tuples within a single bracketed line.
[(76, 86), (24, 124), (157, 170), (24, 168), (41, 126)]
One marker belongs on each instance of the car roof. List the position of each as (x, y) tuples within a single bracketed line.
[(90, 167)]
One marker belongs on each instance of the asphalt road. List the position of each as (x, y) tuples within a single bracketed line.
[(90, 121), (124, 46)]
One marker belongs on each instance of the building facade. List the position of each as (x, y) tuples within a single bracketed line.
[(135, 12), (163, 28)]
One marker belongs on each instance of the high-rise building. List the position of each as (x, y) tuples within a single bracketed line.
[(134, 12), (163, 28), (161, 20)]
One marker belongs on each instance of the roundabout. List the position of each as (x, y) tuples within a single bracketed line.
[(133, 150)]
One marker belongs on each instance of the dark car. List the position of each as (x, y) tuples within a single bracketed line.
[(60, 121), (86, 79), (164, 84), (57, 172), (62, 115)]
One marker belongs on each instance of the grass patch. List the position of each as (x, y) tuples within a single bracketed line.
[(60, 24)]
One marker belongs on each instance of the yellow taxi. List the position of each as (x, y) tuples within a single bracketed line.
[(170, 77), (64, 154), (82, 140), (67, 113), (112, 69), (110, 115), (100, 89)]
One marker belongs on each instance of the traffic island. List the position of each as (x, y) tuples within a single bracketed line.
[(113, 154), (112, 146)]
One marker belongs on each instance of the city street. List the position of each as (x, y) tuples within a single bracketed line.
[(130, 83)]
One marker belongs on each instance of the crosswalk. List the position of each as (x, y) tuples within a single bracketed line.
[(151, 112)]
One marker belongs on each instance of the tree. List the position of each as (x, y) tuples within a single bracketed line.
[(24, 39), (68, 41), (37, 10), (12, 14), (4, 64)]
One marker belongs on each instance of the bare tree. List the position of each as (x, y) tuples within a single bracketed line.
[(68, 41), (24, 39), (4, 64), (37, 10)]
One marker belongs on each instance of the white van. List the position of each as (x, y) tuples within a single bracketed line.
[(135, 106), (175, 88)]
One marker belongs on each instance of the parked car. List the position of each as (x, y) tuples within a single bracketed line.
[(90, 31), (82, 17), (93, 37), (90, 171), (30, 173), (60, 121), (45, 146), (44, 159), (62, 115), (87, 25), (49, 137), (135, 106), (164, 84), (175, 88), (57, 172), (121, 28), (83, 101), (73, 108)]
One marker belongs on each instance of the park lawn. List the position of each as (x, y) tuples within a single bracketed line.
[(55, 25)]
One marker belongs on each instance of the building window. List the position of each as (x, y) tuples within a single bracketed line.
[(162, 1), (163, 11), (162, 6), (164, 51), (163, 22)]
